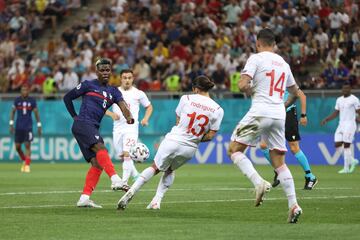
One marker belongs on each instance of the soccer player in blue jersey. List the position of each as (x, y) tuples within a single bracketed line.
[(293, 137), (24, 106), (97, 97)]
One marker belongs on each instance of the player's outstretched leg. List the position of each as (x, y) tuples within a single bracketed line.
[(145, 176), (247, 168), (92, 178), (166, 180)]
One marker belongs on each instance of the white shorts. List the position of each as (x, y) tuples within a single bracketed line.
[(172, 155), (123, 142), (250, 130), (345, 132)]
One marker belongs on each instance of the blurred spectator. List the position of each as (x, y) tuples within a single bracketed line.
[(142, 70), (158, 39), (91, 75), (70, 81), (342, 75), (220, 77), (172, 83), (329, 74)]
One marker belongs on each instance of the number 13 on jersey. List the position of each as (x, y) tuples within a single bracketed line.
[(202, 121), (278, 85)]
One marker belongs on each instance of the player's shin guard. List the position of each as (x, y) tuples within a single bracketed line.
[(266, 153), (145, 176), (103, 158), (246, 168), (91, 180), (287, 183)]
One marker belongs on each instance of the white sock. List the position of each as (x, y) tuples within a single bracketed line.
[(246, 168), (347, 158), (144, 177), (115, 178), (287, 183), (84, 197), (127, 169), (165, 182), (134, 171)]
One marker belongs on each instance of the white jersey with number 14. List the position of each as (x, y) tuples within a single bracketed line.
[(198, 114), (270, 76)]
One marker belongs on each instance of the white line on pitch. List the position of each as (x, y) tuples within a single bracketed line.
[(152, 190), (184, 202)]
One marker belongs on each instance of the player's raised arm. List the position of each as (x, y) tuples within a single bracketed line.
[(126, 112)]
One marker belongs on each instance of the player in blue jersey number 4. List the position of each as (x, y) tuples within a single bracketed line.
[(97, 97), (23, 107)]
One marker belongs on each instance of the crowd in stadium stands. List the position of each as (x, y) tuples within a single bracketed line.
[(168, 43)]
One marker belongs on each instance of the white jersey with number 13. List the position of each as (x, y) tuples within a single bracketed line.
[(198, 114)]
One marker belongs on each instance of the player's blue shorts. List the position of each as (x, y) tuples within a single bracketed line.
[(23, 135), (86, 135)]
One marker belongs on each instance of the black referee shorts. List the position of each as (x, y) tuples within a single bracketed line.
[(292, 126)]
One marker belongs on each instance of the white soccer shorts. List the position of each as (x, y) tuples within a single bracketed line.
[(172, 155), (123, 141), (345, 132), (250, 130)]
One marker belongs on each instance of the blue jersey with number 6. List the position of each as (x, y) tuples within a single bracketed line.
[(96, 99)]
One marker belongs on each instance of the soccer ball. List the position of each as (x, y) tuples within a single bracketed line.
[(139, 152)]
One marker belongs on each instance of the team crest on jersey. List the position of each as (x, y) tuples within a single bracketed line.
[(78, 86)]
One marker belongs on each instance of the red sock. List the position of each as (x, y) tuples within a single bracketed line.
[(92, 178), (103, 158), (22, 156), (27, 160)]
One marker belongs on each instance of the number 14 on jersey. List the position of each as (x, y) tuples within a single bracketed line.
[(278, 85)]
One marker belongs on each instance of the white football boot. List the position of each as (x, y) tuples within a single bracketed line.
[(260, 191), (119, 185), (124, 201), (294, 213), (154, 204), (87, 203)]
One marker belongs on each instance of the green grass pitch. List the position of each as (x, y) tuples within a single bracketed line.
[(205, 202)]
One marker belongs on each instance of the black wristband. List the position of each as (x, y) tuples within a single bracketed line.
[(303, 115)]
